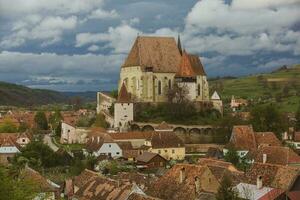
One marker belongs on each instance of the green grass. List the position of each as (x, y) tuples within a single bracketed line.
[(70, 147), (259, 87)]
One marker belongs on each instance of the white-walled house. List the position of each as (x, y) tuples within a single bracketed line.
[(8, 149), (71, 134), (103, 146)]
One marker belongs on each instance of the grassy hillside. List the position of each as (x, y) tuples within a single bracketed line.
[(281, 87), (17, 95)]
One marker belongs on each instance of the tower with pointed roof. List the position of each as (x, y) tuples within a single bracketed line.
[(155, 64), (123, 109)]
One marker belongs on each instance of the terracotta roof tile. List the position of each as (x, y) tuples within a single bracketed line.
[(243, 138), (267, 139), (124, 96), (277, 155), (165, 140), (190, 66), (159, 53), (169, 186), (147, 156), (275, 176), (85, 176)]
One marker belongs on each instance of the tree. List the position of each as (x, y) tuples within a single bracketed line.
[(225, 191), (177, 94), (232, 156), (268, 118), (100, 121), (8, 126), (55, 121), (297, 126), (15, 188), (41, 120)]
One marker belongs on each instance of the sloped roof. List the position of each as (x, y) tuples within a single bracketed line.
[(84, 177), (159, 53), (190, 66), (277, 155), (163, 126), (165, 140), (267, 139), (102, 188), (243, 138), (169, 187), (131, 135), (44, 184), (124, 96), (147, 156), (297, 136), (275, 176), (137, 196)]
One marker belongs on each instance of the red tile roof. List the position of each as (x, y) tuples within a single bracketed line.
[(169, 186), (190, 66), (275, 176), (277, 155), (159, 53), (267, 139), (124, 96), (243, 138)]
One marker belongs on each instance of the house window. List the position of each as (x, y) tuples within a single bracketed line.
[(166, 151), (199, 89), (159, 87), (169, 84), (109, 145), (23, 140), (173, 151), (118, 153), (159, 151)]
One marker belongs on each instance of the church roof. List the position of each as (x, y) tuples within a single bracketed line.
[(124, 96), (190, 65), (159, 53)]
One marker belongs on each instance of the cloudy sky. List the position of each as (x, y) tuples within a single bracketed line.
[(79, 45)]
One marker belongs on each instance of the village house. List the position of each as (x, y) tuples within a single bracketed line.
[(103, 188), (11, 143), (46, 188), (104, 145), (221, 168), (151, 160), (276, 155), (8, 149), (236, 104), (185, 181), (293, 137), (281, 177), (244, 140), (166, 144)]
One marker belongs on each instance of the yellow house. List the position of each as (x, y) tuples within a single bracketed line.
[(166, 144)]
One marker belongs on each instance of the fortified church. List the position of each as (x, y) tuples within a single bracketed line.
[(152, 68)]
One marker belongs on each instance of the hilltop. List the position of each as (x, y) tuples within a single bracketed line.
[(281, 86), (18, 95)]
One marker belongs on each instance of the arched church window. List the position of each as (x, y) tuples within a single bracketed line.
[(169, 84), (159, 87), (199, 89)]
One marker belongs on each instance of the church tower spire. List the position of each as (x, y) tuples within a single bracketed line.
[(179, 45)]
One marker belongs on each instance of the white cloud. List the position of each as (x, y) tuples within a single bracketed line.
[(103, 14), (58, 7), (242, 27), (49, 30), (93, 48), (119, 38)]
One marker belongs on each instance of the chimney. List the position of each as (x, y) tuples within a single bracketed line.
[(182, 175), (265, 158), (259, 183), (197, 184), (98, 139), (92, 138)]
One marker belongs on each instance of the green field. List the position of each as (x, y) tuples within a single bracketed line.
[(281, 87)]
